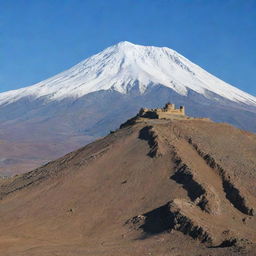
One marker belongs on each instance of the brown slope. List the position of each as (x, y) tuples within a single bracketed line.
[(156, 187), (21, 155)]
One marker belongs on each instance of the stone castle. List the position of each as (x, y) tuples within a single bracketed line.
[(167, 112)]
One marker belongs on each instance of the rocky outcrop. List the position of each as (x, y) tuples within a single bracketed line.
[(149, 134), (239, 198), (214, 209), (202, 194)]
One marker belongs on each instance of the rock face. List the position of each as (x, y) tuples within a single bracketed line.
[(154, 186)]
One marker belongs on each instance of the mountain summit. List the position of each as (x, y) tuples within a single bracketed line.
[(46, 120), (125, 67)]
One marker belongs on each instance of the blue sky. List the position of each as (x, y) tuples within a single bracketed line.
[(40, 38)]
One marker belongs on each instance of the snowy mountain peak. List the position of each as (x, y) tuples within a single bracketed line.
[(125, 44), (125, 66)]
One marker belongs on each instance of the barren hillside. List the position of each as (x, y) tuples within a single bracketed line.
[(153, 187)]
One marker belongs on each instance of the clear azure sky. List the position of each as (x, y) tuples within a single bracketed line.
[(40, 38)]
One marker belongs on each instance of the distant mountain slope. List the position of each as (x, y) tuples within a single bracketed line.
[(95, 96), (125, 66), (154, 187)]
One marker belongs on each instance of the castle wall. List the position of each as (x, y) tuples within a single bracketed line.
[(167, 112)]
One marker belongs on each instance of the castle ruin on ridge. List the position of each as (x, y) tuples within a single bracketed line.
[(167, 112)]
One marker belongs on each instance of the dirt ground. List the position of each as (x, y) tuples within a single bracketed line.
[(154, 187)]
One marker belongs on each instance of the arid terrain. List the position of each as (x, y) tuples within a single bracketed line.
[(153, 187)]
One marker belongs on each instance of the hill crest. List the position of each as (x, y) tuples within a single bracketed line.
[(152, 180)]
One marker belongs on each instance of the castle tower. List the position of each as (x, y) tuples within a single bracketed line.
[(182, 110), (169, 107)]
